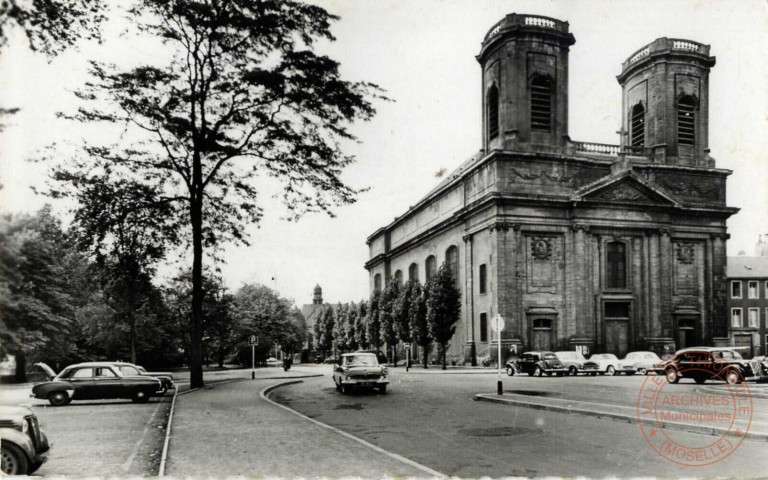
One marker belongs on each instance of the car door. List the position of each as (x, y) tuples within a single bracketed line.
[(106, 383), (82, 380), (525, 363)]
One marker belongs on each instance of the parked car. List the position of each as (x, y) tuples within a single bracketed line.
[(602, 363), (537, 364), (360, 369), (93, 380), (130, 370), (24, 445), (573, 361), (716, 363), (639, 362), (331, 360)]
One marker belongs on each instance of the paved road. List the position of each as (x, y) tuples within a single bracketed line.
[(433, 420)]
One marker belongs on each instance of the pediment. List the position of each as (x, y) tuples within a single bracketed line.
[(626, 188)]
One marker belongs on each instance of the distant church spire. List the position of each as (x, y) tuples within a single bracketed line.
[(317, 298)]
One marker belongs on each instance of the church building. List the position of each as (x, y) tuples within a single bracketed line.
[(577, 245)]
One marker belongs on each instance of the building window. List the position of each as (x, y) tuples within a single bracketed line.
[(753, 318), (493, 112), (736, 318), (752, 290), (637, 126), (736, 289), (399, 277), (413, 272), (616, 275), (483, 327), (483, 279), (541, 103), (429, 267), (686, 121), (452, 261), (377, 282)]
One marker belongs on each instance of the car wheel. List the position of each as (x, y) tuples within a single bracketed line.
[(14, 462), (383, 389), (538, 372), (510, 371), (700, 379), (642, 371), (610, 370), (732, 377), (59, 399), (572, 371), (672, 375), (140, 397)]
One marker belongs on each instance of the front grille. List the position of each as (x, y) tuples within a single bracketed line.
[(365, 376), (34, 431), (587, 367)]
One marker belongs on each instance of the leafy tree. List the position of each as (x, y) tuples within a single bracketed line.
[(443, 308), (350, 333), (294, 335), (259, 310), (340, 329), (324, 330), (388, 315), (244, 94), (419, 325), (361, 338), (373, 324), (402, 313)]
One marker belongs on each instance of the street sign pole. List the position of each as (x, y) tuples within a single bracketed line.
[(254, 340), (497, 324)]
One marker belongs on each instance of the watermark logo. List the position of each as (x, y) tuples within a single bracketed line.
[(668, 412)]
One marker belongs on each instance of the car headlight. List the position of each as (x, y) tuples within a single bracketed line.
[(346, 372), (24, 426)]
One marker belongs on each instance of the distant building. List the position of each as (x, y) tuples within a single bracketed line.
[(311, 313), (748, 303), (577, 245)]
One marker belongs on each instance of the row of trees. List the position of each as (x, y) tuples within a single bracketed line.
[(60, 305), (407, 313)]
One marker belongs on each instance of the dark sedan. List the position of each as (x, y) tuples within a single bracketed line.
[(537, 364), (131, 370), (91, 381), (24, 445)]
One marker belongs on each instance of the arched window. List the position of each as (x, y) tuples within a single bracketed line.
[(637, 126), (493, 111), (452, 260), (686, 121), (541, 103), (413, 272), (399, 277), (377, 282), (429, 267), (616, 262)]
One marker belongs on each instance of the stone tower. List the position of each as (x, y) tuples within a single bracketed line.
[(524, 61), (665, 102), (317, 297)]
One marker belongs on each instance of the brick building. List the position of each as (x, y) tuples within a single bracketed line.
[(748, 304), (577, 245)]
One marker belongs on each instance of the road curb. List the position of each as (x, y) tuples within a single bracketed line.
[(166, 443), (483, 397), (751, 394), (264, 394)]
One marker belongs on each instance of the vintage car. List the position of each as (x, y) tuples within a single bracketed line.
[(93, 380), (716, 363), (131, 370), (602, 363), (360, 369), (24, 445), (639, 362), (573, 361), (537, 364)]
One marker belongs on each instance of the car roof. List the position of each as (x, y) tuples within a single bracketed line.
[(92, 364), (357, 353)]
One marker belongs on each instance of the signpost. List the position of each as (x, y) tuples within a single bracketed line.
[(497, 325), (407, 356), (254, 340)]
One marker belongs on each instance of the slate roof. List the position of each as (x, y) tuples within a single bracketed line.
[(747, 267)]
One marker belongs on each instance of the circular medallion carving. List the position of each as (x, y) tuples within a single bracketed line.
[(541, 249), (685, 253)]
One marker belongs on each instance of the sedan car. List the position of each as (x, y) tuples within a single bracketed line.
[(573, 361), (131, 370), (93, 380), (360, 369), (639, 362), (716, 363), (537, 364), (602, 363), (24, 445)]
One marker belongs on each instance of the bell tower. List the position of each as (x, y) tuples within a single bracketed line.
[(524, 61), (665, 102)]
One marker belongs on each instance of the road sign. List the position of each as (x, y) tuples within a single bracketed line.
[(497, 323), (254, 340)]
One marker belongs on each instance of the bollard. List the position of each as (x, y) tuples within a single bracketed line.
[(253, 375), (499, 388)]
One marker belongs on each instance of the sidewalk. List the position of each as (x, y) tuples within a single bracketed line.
[(230, 430)]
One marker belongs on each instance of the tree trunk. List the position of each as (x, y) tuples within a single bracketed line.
[(394, 354), (445, 357), (196, 332), (132, 322), (425, 354), (21, 367)]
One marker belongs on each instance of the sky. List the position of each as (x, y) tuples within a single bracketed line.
[(422, 52)]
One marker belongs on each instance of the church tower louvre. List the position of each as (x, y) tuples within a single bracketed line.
[(524, 60), (665, 102)]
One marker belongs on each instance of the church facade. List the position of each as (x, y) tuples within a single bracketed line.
[(577, 245)]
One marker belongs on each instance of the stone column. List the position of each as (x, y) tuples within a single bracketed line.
[(719, 286), (655, 285), (666, 282), (469, 299), (580, 290)]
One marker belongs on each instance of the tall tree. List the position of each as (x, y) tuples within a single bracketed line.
[(443, 308), (402, 313), (351, 330), (259, 310), (361, 338), (373, 324), (324, 333), (340, 329), (243, 94), (418, 321), (388, 315)]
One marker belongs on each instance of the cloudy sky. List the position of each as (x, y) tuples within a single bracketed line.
[(422, 52)]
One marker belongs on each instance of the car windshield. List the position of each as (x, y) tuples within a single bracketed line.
[(360, 360), (728, 354), (550, 356)]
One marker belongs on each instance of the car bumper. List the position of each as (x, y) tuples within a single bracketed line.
[(364, 383), (556, 370)]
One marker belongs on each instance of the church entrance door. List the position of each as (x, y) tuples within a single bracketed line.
[(686, 332), (542, 334), (617, 337)]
